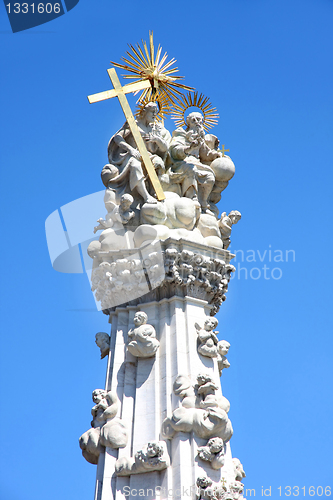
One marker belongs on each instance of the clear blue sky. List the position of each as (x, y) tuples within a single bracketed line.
[(267, 66)]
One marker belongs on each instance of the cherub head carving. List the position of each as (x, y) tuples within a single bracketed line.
[(215, 444), (126, 201), (154, 449), (204, 482), (98, 395), (140, 318), (223, 347), (235, 216), (210, 324), (103, 342)]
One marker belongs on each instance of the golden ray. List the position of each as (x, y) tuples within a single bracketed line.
[(145, 64), (162, 101), (195, 100)]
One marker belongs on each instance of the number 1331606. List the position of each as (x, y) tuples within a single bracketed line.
[(312, 491), (32, 8)]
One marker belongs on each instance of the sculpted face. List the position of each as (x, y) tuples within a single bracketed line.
[(125, 204), (215, 445), (98, 395), (153, 449), (223, 347), (210, 324), (204, 482), (150, 112), (194, 121), (140, 318)]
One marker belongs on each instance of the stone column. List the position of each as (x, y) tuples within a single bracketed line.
[(191, 289)]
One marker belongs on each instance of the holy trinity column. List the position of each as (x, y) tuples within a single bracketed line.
[(160, 271)]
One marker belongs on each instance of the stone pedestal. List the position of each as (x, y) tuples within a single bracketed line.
[(187, 294)]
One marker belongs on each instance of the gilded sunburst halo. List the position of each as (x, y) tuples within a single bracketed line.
[(195, 100), (144, 65), (163, 103)]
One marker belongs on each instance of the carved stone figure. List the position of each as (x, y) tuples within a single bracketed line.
[(106, 428), (201, 410), (142, 339), (119, 216), (213, 452), (237, 490), (193, 155), (207, 490), (225, 224), (188, 149), (103, 342), (153, 457), (124, 172), (113, 232), (210, 346), (222, 350), (238, 469), (207, 338)]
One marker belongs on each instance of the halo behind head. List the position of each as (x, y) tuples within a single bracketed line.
[(201, 102)]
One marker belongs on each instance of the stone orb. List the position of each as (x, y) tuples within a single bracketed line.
[(223, 168)]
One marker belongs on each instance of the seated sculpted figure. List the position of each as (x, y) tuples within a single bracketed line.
[(142, 339), (124, 172), (106, 428), (153, 457), (207, 338), (191, 158), (201, 410)]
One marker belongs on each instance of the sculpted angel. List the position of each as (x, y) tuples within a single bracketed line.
[(106, 428), (119, 215), (207, 338), (153, 457), (225, 224), (201, 410), (142, 339), (213, 452)]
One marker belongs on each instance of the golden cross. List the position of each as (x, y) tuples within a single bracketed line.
[(120, 92), (223, 150), (223, 481)]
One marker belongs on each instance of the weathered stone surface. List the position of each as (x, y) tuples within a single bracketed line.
[(171, 268)]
